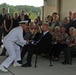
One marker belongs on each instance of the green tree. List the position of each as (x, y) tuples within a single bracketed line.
[(33, 16), (31, 10)]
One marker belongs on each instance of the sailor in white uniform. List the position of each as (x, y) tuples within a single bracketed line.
[(14, 37)]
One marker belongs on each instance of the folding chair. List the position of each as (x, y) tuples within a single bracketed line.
[(50, 56), (72, 53)]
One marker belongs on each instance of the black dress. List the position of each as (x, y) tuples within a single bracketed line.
[(15, 22), (8, 24)]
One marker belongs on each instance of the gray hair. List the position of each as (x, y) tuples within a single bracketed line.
[(74, 30), (71, 28), (57, 27), (66, 18)]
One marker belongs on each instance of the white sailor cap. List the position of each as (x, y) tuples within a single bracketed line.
[(23, 22)]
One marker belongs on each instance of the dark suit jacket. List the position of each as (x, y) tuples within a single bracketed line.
[(26, 17), (2, 18), (36, 37), (46, 40), (72, 24)]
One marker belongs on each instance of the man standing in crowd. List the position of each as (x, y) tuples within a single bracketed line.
[(2, 17), (73, 22), (11, 42), (24, 17)]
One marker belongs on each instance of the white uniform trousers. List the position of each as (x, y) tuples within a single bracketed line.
[(13, 51)]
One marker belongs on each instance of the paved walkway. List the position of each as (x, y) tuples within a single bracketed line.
[(43, 68)]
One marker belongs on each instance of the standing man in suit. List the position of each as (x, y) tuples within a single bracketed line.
[(42, 45), (2, 17), (23, 16), (11, 42), (73, 22)]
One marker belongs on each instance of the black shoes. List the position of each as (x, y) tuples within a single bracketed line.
[(65, 63), (55, 58), (20, 61), (26, 65), (2, 54)]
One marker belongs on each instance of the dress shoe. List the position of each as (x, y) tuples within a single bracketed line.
[(26, 65), (20, 61), (3, 69), (65, 63), (55, 59), (15, 64), (2, 54)]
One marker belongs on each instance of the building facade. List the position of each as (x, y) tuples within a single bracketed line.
[(62, 7)]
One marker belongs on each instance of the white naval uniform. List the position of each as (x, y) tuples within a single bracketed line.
[(10, 40)]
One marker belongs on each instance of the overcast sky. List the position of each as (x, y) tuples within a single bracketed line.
[(23, 2)]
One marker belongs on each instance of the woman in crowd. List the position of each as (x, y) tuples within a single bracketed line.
[(60, 42), (64, 35), (55, 22), (56, 41), (71, 42), (34, 38), (7, 24), (38, 21), (49, 20)]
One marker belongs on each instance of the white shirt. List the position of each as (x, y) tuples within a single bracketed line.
[(16, 35)]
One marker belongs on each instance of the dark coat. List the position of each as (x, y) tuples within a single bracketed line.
[(2, 18), (46, 40), (72, 24)]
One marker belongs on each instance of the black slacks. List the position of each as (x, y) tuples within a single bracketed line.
[(67, 53), (0, 36), (33, 49)]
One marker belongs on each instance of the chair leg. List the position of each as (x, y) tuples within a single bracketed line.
[(71, 59), (50, 54), (50, 61), (36, 60)]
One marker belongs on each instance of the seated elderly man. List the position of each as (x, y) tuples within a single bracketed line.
[(11, 41), (43, 42), (71, 41)]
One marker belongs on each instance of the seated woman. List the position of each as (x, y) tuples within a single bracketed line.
[(33, 38), (71, 42), (59, 42)]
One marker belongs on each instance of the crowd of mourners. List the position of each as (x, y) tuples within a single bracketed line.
[(61, 36)]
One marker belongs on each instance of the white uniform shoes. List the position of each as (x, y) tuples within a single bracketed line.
[(16, 64), (3, 69)]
